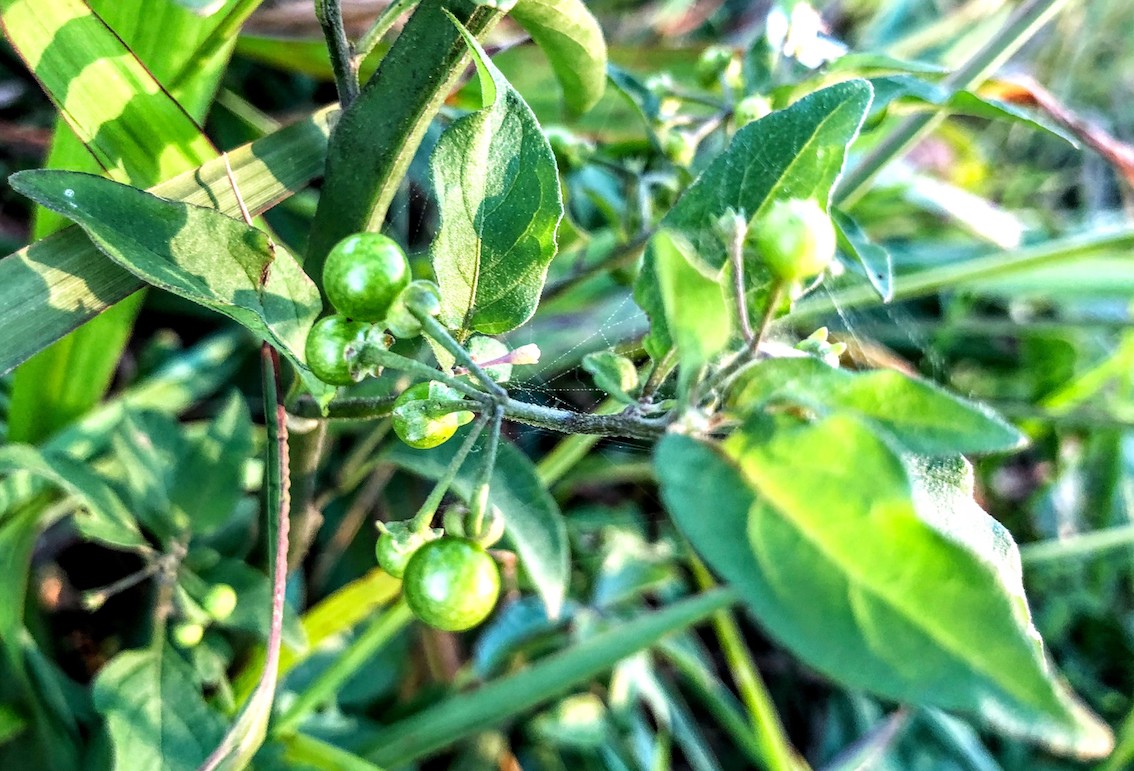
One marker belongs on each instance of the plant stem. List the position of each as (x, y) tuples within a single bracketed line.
[(380, 357), (479, 499), (437, 331), (719, 701), (330, 15), (380, 631), (378, 30), (1083, 546), (739, 231), (1023, 24), (777, 750), (568, 422), (424, 516)]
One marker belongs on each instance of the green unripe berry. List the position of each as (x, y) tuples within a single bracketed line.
[(795, 239), (363, 274), (416, 421), (712, 63), (220, 602), (751, 108), (187, 634), (679, 146), (332, 347), (451, 584), (421, 295)]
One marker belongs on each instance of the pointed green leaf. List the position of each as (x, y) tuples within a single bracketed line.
[(155, 712), (923, 417), (871, 260), (572, 40), (209, 482), (194, 252), (105, 517), (882, 576), (697, 312), (613, 373), (797, 152), (532, 519), (498, 191)]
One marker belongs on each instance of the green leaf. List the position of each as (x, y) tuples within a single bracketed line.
[(797, 152), (465, 714), (197, 253), (105, 517), (51, 287), (871, 260), (613, 373), (155, 712), (498, 191), (151, 447), (532, 520), (921, 416), (572, 40), (209, 481), (883, 578), (697, 312)]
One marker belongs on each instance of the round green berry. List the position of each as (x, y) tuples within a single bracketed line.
[(451, 584), (332, 345), (363, 274), (795, 239)]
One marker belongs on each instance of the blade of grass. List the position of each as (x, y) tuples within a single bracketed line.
[(932, 280), (500, 700), (53, 286), (67, 379), (1019, 29)]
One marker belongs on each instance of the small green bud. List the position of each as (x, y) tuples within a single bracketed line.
[(751, 108), (187, 634), (679, 146), (795, 239), (458, 521), (220, 602), (712, 64)]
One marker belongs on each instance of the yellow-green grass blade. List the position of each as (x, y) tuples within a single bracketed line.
[(57, 284), (179, 49)]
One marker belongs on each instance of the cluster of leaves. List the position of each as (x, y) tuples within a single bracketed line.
[(836, 506)]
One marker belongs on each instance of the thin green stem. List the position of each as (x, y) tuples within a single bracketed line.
[(719, 701), (432, 327), (423, 519), (308, 752), (1084, 546), (376, 356), (330, 15), (1020, 28), (738, 232), (777, 750), (380, 631), (385, 21), (479, 500)]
